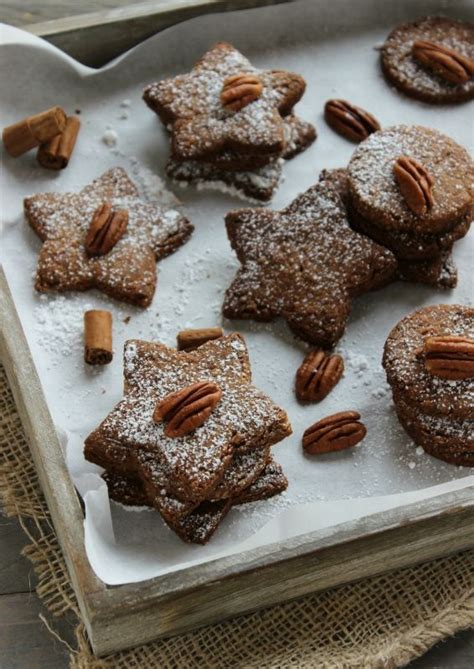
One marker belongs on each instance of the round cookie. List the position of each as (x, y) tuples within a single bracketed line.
[(408, 246), (409, 76), (435, 444), (374, 192), (441, 434), (405, 368), (439, 272)]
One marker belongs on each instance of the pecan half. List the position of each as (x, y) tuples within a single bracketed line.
[(106, 228), (334, 433), (317, 376), (450, 357), (415, 184), (448, 64), (240, 90), (351, 122), (188, 408)]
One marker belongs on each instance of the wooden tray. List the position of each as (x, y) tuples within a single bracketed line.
[(122, 616), (94, 39)]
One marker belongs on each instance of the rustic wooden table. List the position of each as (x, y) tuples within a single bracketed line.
[(25, 643)]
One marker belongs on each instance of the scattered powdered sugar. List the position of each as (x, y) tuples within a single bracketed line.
[(59, 322), (152, 187), (356, 362)]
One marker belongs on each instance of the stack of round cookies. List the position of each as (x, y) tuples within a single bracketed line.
[(429, 361), (420, 215)]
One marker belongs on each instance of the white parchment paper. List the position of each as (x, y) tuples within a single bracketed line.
[(333, 45)]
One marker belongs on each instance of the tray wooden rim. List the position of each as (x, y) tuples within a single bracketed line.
[(202, 594)]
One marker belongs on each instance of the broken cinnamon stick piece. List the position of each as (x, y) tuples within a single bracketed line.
[(55, 154), (188, 340), (98, 337), (33, 131)]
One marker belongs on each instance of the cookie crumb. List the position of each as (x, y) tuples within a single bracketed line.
[(110, 137)]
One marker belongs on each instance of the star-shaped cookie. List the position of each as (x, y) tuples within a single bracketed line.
[(128, 271), (188, 468), (245, 175), (202, 127), (199, 525), (304, 264)]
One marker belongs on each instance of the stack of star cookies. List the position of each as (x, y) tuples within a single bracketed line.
[(411, 189), (192, 436), (429, 361), (232, 125)]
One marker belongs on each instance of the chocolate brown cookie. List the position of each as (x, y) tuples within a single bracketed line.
[(299, 135), (436, 411), (257, 185), (199, 525), (127, 271), (245, 467), (440, 272), (421, 258), (303, 264), (129, 491), (202, 122), (253, 177), (376, 196), (193, 465), (408, 246), (442, 434), (413, 78), (337, 179), (405, 368)]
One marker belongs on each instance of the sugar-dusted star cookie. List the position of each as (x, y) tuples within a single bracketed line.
[(248, 176), (303, 263), (192, 466), (225, 103), (199, 525), (103, 237)]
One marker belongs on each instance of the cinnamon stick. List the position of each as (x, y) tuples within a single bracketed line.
[(98, 337), (188, 340), (55, 154), (33, 131)]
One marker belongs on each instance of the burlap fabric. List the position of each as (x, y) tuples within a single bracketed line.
[(382, 622)]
